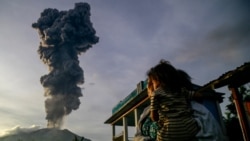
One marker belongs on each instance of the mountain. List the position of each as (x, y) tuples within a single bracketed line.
[(45, 134)]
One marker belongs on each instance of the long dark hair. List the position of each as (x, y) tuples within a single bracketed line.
[(185, 80), (169, 77)]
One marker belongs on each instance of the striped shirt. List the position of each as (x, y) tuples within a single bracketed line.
[(175, 117)]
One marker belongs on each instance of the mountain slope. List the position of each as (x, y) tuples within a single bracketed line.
[(46, 134)]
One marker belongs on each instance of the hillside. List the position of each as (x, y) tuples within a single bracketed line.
[(46, 134)]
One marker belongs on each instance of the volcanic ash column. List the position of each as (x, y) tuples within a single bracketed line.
[(64, 35)]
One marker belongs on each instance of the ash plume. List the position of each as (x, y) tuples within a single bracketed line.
[(64, 35)]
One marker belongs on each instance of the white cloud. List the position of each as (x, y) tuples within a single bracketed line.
[(17, 130)]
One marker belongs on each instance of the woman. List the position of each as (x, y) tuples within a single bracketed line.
[(169, 106)]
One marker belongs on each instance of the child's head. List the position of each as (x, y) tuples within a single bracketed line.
[(165, 76)]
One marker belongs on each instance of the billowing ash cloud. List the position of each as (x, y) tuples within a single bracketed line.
[(64, 35)]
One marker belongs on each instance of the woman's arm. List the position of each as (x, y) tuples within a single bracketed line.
[(203, 95)]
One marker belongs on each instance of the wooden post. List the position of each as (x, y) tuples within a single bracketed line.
[(238, 101), (136, 117), (113, 132), (125, 129)]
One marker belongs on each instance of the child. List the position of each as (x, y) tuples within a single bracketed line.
[(169, 105)]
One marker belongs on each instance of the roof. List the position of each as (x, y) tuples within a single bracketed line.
[(233, 78)]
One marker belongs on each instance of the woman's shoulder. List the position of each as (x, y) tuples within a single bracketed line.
[(165, 92), (160, 91)]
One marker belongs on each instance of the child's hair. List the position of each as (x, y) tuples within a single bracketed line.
[(169, 77)]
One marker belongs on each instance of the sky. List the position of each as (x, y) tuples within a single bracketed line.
[(206, 38)]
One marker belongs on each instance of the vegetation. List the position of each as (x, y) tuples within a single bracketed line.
[(231, 119)]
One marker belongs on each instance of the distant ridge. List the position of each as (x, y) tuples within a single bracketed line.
[(45, 134)]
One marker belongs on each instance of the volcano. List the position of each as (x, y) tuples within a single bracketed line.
[(45, 134)]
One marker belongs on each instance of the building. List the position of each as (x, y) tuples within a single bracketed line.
[(126, 113)]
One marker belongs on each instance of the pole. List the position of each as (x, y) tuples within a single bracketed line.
[(237, 98)]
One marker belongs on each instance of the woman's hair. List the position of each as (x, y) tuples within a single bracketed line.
[(169, 77), (185, 80)]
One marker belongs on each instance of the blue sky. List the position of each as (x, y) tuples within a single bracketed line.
[(206, 38)]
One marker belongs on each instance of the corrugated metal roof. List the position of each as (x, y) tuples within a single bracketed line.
[(235, 78)]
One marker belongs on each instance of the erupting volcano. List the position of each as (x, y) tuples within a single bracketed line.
[(64, 35)]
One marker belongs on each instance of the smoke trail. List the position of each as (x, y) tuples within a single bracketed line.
[(64, 35)]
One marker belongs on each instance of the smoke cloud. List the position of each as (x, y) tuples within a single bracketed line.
[(64, 36)]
